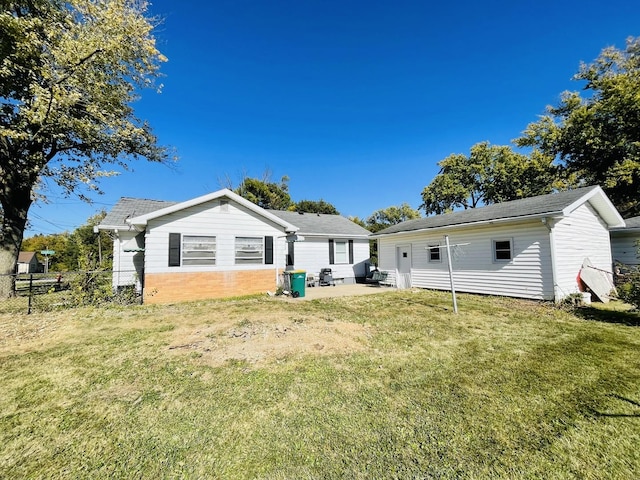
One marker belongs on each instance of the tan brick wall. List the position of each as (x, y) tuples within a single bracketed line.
[(181, 287)]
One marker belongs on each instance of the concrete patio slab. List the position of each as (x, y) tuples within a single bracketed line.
[(313, 293)]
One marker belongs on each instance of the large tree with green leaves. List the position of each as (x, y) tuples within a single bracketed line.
[(314, 206), (385, 217), (265, 193), (595, 134), (489, 174), (69, 72)]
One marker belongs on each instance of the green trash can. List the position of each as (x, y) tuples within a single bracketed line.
[(298, 279)]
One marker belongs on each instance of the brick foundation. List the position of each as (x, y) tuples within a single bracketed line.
[(182, 287)]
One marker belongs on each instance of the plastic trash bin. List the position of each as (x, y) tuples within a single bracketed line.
[(298, 280)]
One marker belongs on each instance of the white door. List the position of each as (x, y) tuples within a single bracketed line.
[(404, 266)]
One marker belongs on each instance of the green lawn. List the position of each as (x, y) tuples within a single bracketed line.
[(381, 386)]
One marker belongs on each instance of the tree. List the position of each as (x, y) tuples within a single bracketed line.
[(92, 250), (69, 72), (595, 135), (490, 174), (385, 217), (266, 194), (62, 260), (82, 249), (314, 206)]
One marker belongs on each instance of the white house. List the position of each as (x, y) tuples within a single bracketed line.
[(221, 245), (625, 243), (530, 248)]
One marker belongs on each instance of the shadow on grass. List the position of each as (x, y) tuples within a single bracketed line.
[(633, 404), (631, 319)]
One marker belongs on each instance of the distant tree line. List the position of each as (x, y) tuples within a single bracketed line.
[(81, 249)]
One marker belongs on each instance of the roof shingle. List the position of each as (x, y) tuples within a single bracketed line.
[(539, 205)]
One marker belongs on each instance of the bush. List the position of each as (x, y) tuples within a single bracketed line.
[(95, 288), (629, 289)]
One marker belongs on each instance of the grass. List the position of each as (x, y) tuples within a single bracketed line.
[(505, 389)]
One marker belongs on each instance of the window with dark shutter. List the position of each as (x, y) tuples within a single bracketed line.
[(268, 250), (174, 249), (331, 252), (351, 252)]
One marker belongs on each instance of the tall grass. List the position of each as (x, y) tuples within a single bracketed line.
[(505, 389)]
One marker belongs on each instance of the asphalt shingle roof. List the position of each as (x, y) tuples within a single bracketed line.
[(321, 223), (540, 205), (308, 223), (128, 207), (633, 222)]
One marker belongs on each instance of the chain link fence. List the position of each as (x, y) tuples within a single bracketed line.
[(32, 292)]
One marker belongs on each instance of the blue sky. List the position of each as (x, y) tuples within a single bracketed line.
[(355, 101)]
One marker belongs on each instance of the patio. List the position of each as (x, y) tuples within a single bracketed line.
[(313, 293)]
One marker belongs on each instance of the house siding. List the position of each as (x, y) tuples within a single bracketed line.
[(312, 255), (210, 219), (624, 248), (581, 234), (125, 263), (527, 275)]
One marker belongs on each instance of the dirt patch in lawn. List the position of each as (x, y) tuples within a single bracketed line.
[(267, 340)]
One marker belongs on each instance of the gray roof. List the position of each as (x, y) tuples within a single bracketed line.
[(128, 207), (632, 223), (322, 224), (308, 223), (532, 206)]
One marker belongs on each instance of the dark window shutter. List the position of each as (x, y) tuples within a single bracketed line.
[(268, 250), (174, 249), (331, 255), (290, 254), (351, 252)]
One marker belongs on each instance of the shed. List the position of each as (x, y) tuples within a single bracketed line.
[(529, 248), (28, 263)]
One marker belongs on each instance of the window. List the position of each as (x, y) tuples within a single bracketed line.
[(434, 253), (249, 250), (340, 252), (198, 250), (502, 250)]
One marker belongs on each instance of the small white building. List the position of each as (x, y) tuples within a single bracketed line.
[(28, 263), (222, 245), (530, 248), (625, 244)]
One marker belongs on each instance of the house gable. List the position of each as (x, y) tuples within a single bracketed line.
[(142, 220)]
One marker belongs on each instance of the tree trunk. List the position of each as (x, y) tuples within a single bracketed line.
[(15, 206)]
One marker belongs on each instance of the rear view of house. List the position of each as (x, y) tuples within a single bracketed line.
[(530, 248), (222, 245)]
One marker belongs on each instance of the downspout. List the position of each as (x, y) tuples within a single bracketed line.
[(548, 222)]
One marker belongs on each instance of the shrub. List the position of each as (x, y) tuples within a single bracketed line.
[(629, 289)]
